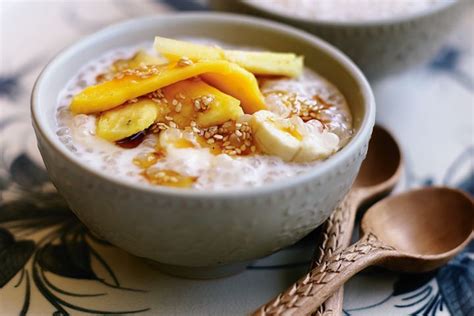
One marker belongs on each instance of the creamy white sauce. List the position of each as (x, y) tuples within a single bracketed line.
[(215, 172), (347, 10)]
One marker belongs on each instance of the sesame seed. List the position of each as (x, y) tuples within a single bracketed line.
[(207, 100), (217, 136), (184, 61)]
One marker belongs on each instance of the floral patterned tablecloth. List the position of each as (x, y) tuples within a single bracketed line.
[(50, 264)]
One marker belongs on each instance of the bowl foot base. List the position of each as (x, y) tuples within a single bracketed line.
[(200, 272)]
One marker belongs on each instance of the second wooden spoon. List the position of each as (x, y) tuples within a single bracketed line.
[(379, 173)]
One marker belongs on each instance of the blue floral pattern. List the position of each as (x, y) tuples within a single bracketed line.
[(65, 250)]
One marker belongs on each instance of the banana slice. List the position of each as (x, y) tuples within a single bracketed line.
[(318, 146), (126, 120), (262, 63), (274, 136), (292, 139)]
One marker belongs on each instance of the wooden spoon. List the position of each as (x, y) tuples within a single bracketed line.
[(378, 175), (416, 231)]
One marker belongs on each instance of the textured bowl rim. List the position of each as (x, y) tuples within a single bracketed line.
[(354, 145), (356, 24)]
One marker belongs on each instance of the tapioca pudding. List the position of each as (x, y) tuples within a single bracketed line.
[(200, 116)]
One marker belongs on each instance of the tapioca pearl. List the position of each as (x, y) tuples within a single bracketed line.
[(109, 160), (255, 162), (84, 131), (150, 141), (339, 129), (63, 131), (80, 120), (335, 116), (82, 83), (63, 115), (66, 139), (84, 125), (326, 115), (315, 126), (71, 147)]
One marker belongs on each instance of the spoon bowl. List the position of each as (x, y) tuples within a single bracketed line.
[(382, 162), (429, 226)]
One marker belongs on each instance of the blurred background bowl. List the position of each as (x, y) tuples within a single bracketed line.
[(378, 47)]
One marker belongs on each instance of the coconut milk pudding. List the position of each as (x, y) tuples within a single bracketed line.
[(348, 10), (199, 116)]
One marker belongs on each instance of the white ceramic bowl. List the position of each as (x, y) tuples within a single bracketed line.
[(188, 232), (379, 47)]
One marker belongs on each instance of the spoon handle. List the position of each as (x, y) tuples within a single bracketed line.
[(314, 288), (336, 235)]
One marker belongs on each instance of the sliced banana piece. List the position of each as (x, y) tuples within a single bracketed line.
[(292, 139), (126, 120), (272, 137), (319, 146)]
